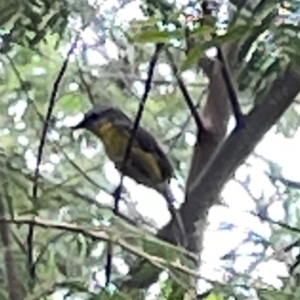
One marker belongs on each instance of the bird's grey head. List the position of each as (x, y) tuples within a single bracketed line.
[(99, 114)]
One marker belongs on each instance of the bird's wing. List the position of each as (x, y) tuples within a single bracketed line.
[(147, 142)]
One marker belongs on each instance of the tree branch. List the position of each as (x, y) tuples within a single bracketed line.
[(30, 236), (215, 160), (215, 119), (203, 192), (135, 126), (100, 233), (15, 289), (185, 93), (236, 149)]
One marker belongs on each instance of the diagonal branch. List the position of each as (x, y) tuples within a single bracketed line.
[(203, 192), (138, 117), (136, 124), (235, 105), (99, 233), (236, 149), (40, 155), (241, 143), (215, 119), (186, 95)]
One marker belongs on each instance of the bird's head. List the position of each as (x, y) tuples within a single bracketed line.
[(98, 116)]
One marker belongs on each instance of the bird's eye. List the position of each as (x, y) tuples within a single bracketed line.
[(92, 116)]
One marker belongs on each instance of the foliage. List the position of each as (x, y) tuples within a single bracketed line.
[(74, 219)]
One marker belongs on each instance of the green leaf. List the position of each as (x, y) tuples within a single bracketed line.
[(215, 296), (9, 13), (255, 32), (195, 54)]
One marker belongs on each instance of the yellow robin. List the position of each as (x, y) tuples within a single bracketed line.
[(147, 163)]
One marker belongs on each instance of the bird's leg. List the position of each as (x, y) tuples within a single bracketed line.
[(117, 194)]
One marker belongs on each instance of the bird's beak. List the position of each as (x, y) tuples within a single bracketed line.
[(80, 125)]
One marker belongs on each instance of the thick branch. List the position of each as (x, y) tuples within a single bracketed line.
[(215, 119), (237, 148), (15, 289), (242, 142), (204, 191)]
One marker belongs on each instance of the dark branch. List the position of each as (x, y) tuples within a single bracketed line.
[(54, 92), (287, 182), (241, 143), (136, 123), (139, 116), (204, 191), (278, 223), (185, 93), (207, 9), (237, 112)]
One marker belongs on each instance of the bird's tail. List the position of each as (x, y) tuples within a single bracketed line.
[(169, 196)]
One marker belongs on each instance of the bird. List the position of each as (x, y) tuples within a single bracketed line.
[(147, 163)]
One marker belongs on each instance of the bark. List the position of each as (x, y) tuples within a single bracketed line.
[(206, 186), (215, 159), (215, 119), (15, 288)]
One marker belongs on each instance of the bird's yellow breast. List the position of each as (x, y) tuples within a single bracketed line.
[(115, 142)]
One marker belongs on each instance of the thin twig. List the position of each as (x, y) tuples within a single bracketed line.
[(77, 168), (77, 175), (137, 120), (99, 233), (281, 224), (236, 108), (40, 155), (101, 206), (173, 140), (185, 93)]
